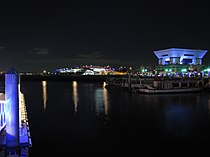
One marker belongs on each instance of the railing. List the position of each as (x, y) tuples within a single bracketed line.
[(2, 115), (23, 117)]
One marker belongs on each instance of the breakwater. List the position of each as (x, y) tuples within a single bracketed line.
[(63, 78), (94, 78)]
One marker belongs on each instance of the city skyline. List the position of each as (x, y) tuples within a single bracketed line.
[(37, 35)]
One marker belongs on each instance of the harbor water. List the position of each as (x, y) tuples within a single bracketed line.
[(72, 118)]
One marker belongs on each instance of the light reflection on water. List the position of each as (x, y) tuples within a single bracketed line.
[(75, 96), (101, 100), (178, 120), (106, 99), (44, 94), (80, 99)]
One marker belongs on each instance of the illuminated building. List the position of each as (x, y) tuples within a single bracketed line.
[(67, 70), (90, 70), (180, 56), (179, 61)]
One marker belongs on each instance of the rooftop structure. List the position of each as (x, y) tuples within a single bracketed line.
[(180, 56)]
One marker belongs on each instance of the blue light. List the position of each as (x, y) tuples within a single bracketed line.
[(12, 108), (180, 56)]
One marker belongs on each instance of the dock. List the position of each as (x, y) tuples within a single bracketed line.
[(160, 85)]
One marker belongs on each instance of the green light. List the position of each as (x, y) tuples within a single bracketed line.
[(166, 70), (184, 70)]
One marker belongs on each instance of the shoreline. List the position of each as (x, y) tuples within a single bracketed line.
[(88, 78)]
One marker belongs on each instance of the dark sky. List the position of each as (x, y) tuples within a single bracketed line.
[(37, 35)]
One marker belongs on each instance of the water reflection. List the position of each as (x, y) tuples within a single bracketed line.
[(106, 102), (171, 123), (178, 120), (101, 100), (44, 93), (75, 96), (180, 115)]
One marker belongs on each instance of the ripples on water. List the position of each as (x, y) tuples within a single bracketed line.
[(86, 119)]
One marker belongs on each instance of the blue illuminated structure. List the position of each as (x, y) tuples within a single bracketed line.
[(180, 56), (180, 62), (15, 138), (12, 108)]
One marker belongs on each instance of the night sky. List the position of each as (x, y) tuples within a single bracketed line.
[(37, 35)]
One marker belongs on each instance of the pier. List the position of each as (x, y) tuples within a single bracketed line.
[(160, 84)]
